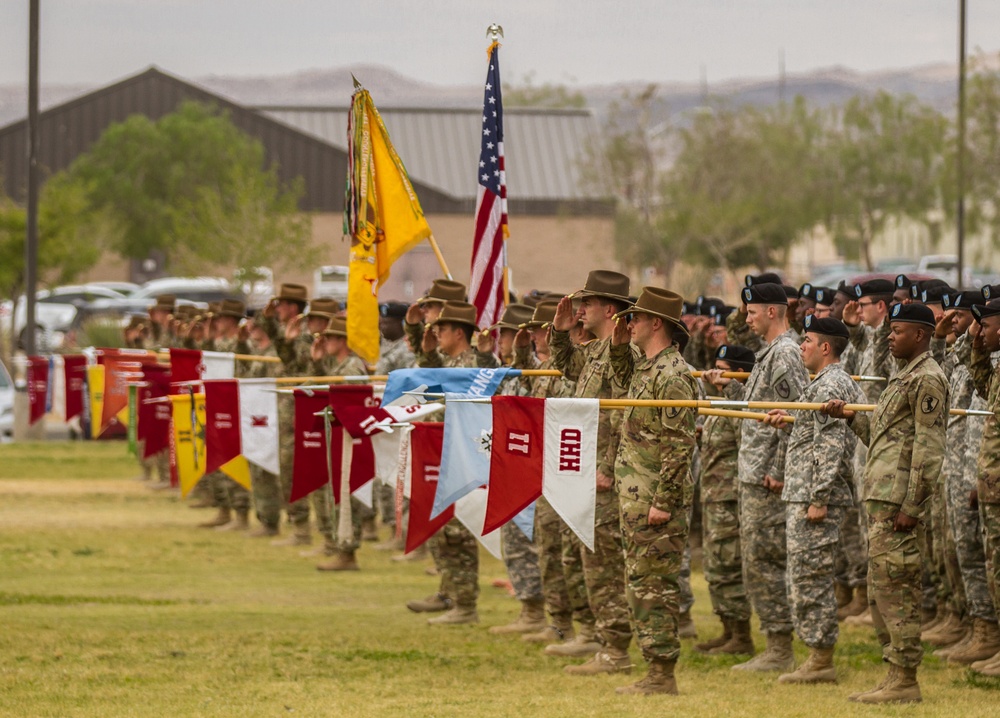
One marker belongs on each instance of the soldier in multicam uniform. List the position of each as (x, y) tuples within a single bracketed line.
[(605, 294), (969, 568), (986, 341), (265, 486), (447, 343), (778, 375), (563, 588), (653, 477), (520, 554), (906, 447), (722, 555), (819, 485), (394, 353), (156, 337), (331, 357)]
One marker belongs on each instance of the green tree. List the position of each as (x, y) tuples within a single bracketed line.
[(982, 155), (192, 186), (890, 164)]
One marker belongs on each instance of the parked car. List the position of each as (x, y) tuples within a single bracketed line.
[(6, 405), (331, 281), (198, 290), (124, 288)]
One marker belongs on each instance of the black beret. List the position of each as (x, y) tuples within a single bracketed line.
[(806, 292), (991, 291), (903, 282), (990, 309), (709, 306), (826, 325), (722, 314), (872, 286), (765, 278), (918, 288), (933, 295), (689, 308), (790, 291), (824, 295), (766, 293), (912, 313), (395, 310), (959, 300), (737, 356), (845, 288)]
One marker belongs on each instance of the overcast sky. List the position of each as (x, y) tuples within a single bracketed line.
[(443, 41)]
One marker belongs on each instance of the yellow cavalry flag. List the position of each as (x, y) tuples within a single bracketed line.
[(95, 398), (382, 216), (188, 439)]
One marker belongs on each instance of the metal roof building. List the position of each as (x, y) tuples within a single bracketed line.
[(544, 148)]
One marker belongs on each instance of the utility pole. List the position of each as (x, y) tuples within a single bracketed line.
[(31, 240), (960, 159)]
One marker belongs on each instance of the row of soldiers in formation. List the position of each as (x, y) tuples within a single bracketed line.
[(798, 523)]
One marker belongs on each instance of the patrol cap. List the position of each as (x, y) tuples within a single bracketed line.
[(872, 287), (392, 310), (991, 291), (912, 313), (765, 278), (739, 357), (824, 295), (959, 300), (826, 325), (766, 293), (990, 309)]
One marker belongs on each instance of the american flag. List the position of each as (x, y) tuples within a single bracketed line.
[(488, 251)]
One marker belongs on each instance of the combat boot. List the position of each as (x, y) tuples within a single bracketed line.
[(948, 651), (984, 644), (559, 632), (434, 603), (659, 680), (686, 627), (818, 668), (932, 622), (890, 676), (610, 660), (741, 644), (727, 634), (240, 523), (417, 554), (583, 645), (342, 561), (857, 606), (368, 530), (328, 548), (301, 536), (531, 619), (777, 656), (844, 594), (392, 544), (986, 662), (948, 632), (456, 616), (903, 689), (221, 519), (263, 531)]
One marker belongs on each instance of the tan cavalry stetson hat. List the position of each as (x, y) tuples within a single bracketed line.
[(444, 290), (232, 308), (543, 315), (336, 328), (293, 293), (605, 283), (661, 303), (514, 316), (324, 307), (457, 313)]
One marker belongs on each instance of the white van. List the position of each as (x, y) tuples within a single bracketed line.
[(331, 281)]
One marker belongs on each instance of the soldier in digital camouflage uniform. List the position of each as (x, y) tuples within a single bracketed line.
[(778, 375), (722, 555), (819, 485), (969, 568), (605, 294), (331, 357), (394, 353), (906, 447), (520, 554), (447, 343), (653, 477), (737, 330), (563, 588), (265, 486), (986, 341)]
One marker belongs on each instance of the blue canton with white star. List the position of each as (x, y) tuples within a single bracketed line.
[(489, 156)]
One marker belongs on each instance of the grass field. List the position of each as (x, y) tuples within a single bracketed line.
[(113, 604)]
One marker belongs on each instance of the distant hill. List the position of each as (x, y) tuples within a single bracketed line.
[(933, 84)]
